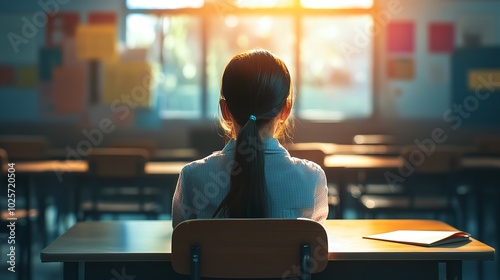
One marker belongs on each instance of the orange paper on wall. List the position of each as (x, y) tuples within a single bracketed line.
[(68, 90), (401, 68), (128, 81), (96, 42)]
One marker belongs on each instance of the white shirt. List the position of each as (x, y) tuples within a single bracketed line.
[(297, 188)]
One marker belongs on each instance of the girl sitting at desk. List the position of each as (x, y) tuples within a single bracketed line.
[(254, 176)]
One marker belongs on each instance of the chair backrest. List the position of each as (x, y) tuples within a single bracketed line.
[(437, 162), (117, 162), (3, 161), (249, 248), (147, 144), (488, 144), (24, 147)]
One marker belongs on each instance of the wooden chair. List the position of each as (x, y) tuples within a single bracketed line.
[(146, 144), (24, 147), (488, 144), (117, 184), (430, 189), (249, 248)]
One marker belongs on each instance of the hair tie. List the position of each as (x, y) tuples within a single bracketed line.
[(253, 118)]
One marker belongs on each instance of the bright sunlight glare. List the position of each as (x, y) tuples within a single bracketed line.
[(336, 4)]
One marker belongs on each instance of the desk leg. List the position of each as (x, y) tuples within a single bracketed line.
[(454, 270), (70, 271)]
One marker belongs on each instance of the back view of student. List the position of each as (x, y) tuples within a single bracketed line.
[(253, 176)]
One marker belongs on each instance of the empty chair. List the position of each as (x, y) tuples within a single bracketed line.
[(117, 184), (146, 144), (25, 147), (488, 144), (249, 248), (428, 188)]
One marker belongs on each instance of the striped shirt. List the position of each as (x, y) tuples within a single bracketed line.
[(297, 188)]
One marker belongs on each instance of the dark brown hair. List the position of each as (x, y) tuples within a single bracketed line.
[(256, 86)]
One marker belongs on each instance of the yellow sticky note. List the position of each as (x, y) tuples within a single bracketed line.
[(484, 79), (128, 82), (96, 42), (27, 77)]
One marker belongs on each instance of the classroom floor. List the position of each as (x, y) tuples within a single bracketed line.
[(51, 271)]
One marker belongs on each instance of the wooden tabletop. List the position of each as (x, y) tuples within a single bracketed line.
[(81, 166), (150, 241), (159, 154), (362, 161)]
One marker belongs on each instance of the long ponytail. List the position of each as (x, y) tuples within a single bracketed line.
[(256, 86), (247, 196)]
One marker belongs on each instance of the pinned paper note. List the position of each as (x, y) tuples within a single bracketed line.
[(480, 79), (61, 26), (134, 55), (27, 77), (401, 37), (128, 81), (103, 17), (96, 42), (6, 76), (441, 37), (400, 68), (69, 90), (69, 57), (48, 59)]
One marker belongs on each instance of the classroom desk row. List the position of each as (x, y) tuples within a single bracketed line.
[(142, 250)]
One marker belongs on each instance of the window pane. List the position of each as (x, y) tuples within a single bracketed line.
[(163, 4), (178, 78), (180, 85), (337, 4), (141, 30), (234, 34), (336, 61), (264, 3)]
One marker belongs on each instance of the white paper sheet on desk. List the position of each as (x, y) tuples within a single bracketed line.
[(421, 237)]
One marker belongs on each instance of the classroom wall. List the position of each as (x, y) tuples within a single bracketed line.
[(408, 104)]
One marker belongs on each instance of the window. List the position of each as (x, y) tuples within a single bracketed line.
[(192, 41)]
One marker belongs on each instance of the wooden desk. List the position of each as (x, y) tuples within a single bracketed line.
[(81, 166), (102, 250), (346, 149), (181, 154)]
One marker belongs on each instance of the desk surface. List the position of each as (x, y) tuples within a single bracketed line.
[(392, 162), (150, 241), (81, 166)]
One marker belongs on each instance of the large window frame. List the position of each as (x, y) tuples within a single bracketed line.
[(297, 12)]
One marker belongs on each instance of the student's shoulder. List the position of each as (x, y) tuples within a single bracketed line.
[(306, 165), (203, 162)]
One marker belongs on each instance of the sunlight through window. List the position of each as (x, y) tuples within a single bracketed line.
[(264, 3), (164, 4), (336, 4)]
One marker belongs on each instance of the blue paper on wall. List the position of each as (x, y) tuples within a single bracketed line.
[(49, 58)]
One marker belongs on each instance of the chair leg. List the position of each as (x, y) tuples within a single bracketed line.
[(195, 263), (305, 262)]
